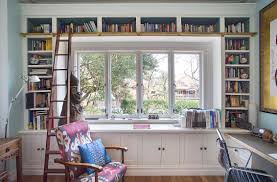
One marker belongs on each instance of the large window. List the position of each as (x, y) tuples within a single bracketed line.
[(136, 84)]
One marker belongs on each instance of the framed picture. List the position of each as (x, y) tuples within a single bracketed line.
[(268, 58)]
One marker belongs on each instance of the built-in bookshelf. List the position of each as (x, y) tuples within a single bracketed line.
[(77, 25), (39, 63), (158, 24), (237, 25), (200, 25), (119, 24), (39, 25)]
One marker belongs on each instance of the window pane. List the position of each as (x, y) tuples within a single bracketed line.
[(186, 74), (155, 83), (123, 83), (92, 83)]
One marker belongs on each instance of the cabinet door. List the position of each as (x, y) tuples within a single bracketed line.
[(31, 151), (210, 150), (193, 153), (111, 140), (170, 149), (151, 149), (132, 142)]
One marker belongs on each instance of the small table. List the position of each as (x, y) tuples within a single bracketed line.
[(11, 148)]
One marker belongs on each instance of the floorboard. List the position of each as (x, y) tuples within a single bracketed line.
[(140, 179)]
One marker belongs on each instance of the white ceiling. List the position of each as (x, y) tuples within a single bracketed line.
[(137, 1)]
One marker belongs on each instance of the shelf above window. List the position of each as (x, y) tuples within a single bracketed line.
[(39, 25), (119, 24), (200, 25), (158, 24), (78, 25)]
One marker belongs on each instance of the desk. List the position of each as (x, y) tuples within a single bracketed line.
[(11, 148), (260, 149)]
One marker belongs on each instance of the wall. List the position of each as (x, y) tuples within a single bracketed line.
[(265, 120), (15, 66)]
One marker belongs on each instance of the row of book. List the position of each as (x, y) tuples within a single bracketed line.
[(236, 58), (44, 84), (234, 28), (236, 44), (236, 72), (195, 118), (41, 45), (236, 87), (42, 28), (85, 27), (236, 101), (130, 27), (37, 120), (198, 28), (150, 27), (37, 100), (232, 117)]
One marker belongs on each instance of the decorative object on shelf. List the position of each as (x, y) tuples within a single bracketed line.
[(267, 136), (268, 58), (26, 79), (243, 60), (153, 116)]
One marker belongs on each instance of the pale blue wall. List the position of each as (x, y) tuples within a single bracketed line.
[(15, 66), (265, 120)]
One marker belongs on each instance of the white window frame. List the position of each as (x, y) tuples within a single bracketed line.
[(139, 80)]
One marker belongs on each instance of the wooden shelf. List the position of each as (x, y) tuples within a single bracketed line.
[(237, 65), (239, 34), (39, 91), (142, 34), (41, 52), (40, 66), (237, 51), (239, 94), (236, 79), (236, 108), (39, 109)]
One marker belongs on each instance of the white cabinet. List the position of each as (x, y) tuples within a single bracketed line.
[(199, 150), (160, 149), (133, 143)]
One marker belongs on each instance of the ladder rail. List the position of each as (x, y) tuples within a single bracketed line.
[(53, 99)]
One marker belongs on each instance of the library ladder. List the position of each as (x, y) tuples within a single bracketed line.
[(53, 114)]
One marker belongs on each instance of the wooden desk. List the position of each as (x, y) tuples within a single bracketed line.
[(256, 145), (11, 148)]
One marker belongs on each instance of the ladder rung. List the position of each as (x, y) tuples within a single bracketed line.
[(60, 69), (58, 101), (61, 54), (57, 117), (63, 40), (57, 85), (52, 152), (54, 171), (51, 134)]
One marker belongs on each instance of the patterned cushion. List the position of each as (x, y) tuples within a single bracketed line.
[(69, 137), (94, 153), (112, 172)]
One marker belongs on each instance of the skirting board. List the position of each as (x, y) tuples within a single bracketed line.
[(155, 172)]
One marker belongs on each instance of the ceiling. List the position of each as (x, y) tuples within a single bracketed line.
[(136, 1)]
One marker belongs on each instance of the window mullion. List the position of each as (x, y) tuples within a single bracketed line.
[(171, 89), (108, 86), (139, 83)]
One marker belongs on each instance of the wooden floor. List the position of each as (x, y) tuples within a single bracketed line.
[(141, 179)]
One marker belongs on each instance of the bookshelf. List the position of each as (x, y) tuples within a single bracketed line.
[(119, 24), (158, 24), (39, 50), (237, 67), (78, 25), (200, 25)]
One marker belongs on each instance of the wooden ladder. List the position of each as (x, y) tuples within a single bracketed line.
[(52, 115)]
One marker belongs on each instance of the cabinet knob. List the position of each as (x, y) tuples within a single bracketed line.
[(236, 150), (42, 148), (205, 148), (38, 149), (159, 148), (163, 148), (201, 148)]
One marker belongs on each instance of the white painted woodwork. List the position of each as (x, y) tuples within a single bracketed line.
[(193, 154), (171, 152), (151, 149), (133, 143)]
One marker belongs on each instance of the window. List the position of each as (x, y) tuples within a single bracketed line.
[(136, 84), (155, 83), (186, 81), (123, 83), (92, 81)]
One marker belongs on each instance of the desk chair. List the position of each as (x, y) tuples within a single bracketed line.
[(238, 174)]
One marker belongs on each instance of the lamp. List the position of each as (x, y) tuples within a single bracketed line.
[(26, 79)]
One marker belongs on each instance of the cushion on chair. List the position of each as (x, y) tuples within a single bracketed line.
[(69, 137), (94, 153), (239, 176), (112, 172)]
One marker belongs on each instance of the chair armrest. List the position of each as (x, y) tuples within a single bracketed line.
[(125, 149), (80, 165), (252, 172)]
